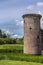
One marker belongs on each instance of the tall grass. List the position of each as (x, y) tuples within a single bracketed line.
[(15, 48), (21, 57), (15, 52)]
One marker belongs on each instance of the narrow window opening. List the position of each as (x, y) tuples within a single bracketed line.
[(37, 37), (30, 28)]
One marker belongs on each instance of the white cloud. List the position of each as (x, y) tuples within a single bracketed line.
[(15, 35), (30, 7), (41, 22), (39, 12), (6, 31), (40, 4), (19, 23), (16, 20)]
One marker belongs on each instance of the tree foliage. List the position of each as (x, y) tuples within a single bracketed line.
[(3, 35)]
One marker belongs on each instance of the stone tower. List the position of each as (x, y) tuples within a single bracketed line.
[(32, 33)]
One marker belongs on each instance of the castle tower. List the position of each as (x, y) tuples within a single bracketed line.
[(32, 33)]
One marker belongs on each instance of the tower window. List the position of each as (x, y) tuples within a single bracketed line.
[(38, 37), (30, 28)]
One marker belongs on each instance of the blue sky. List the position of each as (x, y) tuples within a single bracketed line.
[(11, 12)]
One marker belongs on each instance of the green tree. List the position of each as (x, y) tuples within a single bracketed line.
[(3, 34), (0, 33)]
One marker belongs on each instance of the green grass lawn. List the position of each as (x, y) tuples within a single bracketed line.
[(11, 48), (10, 62), (11, 54), (21, 57)]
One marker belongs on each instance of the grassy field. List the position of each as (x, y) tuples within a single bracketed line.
[(11, 48), (21, 57), (12, 54), (10, 62)]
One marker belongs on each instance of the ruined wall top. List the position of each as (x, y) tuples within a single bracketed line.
[(33, 15)]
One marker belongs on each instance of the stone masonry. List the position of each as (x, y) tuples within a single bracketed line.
[(32, 34)]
